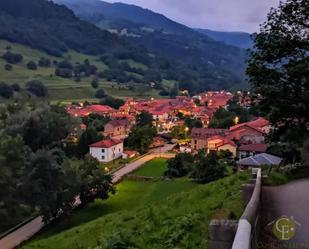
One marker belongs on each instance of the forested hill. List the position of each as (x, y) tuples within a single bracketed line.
[(205, 61), (98, 10), (55, 29), (237, 39), (173, 56)]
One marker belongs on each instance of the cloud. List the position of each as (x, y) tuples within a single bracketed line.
[(228, 15)]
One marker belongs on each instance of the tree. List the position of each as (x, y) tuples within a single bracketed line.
[(208, 169), (95, 83), (48, 185), (144, 119), (278, 71), (14, 155), (197, 102), (179, 166), (96, 121), (40, 125), (180, 132), (16, 87), (193, 123), (222, 119), (32, 65), (89, 136), (6, 91), (37, 88), (140, 138), (94, 183), (112, 102), (174, 91), (100, 94), (44, 62), (8, 67), (12, 58)]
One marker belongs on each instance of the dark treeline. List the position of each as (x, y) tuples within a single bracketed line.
[(36, 175)]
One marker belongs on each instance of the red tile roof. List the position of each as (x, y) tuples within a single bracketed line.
[(260, 122), (224, 141), (106, 143), (119, 122), (130, 153), (207, 132), (254, 147), (255, 124)]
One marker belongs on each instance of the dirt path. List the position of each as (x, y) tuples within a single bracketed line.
[(291, 200)]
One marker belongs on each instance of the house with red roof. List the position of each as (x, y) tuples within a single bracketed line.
[(106, 150), (78, 111), (251, 132), (218, 143), (200, 136), (117, 128), (248, 150)]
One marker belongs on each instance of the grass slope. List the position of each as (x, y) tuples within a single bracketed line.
[(61, 89), (167, 214), (154, 168)]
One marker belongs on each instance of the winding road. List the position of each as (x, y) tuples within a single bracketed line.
[(25, 232)]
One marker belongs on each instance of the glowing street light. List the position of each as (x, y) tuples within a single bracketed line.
[(236, 120)]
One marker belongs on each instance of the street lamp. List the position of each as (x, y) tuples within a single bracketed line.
[(186, 130), (236, 120)]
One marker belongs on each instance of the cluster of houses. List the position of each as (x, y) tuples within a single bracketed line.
[(242, 140)]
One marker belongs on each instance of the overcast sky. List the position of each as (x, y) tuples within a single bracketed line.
[(226, 15)]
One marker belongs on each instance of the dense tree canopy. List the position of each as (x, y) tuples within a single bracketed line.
[(278, 70), (35, 173)]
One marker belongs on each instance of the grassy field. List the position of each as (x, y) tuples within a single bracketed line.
[(61, 89), (152, 215), (276, 177), (155, 168)]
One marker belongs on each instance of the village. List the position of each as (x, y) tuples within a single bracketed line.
[(245, 141)]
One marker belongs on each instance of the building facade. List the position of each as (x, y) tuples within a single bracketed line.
[(106, 150)]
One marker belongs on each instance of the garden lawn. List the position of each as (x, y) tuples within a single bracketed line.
[(152, 215), (153, 168)]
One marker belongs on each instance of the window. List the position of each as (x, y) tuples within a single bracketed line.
[(119, 150), (103, 157), (103, 150), (195, 141)]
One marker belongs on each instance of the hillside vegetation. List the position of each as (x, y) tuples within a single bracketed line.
[(202, 62), (59, 88), (181, 209)]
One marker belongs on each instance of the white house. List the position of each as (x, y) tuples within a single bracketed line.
[(107, 150)]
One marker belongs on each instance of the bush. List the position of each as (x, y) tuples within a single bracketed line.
[(164, 93), (12, 58), (95, 83), (208, 168), (112, 102), (6, 91), (32, 65), (37, 88), (8, 67), (43, 62), (180, 165), (16, 87), (64, 73), (100, 94)]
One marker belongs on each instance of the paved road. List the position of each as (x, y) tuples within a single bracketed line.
[(30, 229), (290, 200)]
